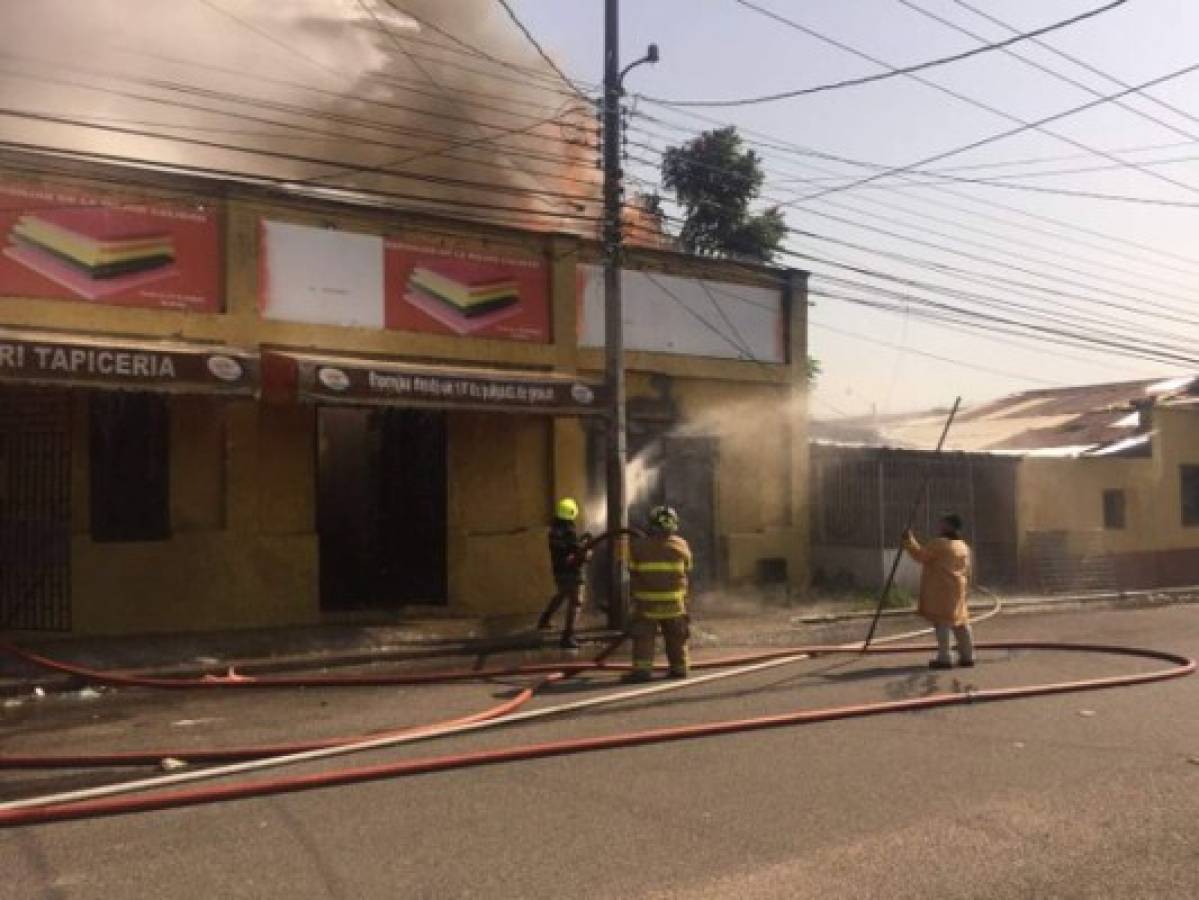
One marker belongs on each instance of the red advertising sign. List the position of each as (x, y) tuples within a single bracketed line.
[(65, 243), (465, 291)]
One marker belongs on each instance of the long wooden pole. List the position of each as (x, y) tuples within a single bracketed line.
[(886, 591)]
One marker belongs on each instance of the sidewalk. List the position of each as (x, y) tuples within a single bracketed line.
[(433, 644)]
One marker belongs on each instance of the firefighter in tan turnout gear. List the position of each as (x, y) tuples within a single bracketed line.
[(659, 564)]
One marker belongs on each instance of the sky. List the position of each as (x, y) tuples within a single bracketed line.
[(1129, 270)]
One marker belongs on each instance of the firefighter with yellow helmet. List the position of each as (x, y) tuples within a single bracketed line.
[(568, 555), (659, 565)]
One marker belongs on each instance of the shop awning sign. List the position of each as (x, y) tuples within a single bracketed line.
[(143, 365), (327, 379)]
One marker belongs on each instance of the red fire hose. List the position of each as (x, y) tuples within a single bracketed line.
[(232, 754), (1179, 666)]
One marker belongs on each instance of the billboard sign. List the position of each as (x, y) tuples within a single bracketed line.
[(67, 243), (329, 277), (687, 316)]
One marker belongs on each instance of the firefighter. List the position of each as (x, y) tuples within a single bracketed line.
[(568, 556), (944, 578), (659, 563)]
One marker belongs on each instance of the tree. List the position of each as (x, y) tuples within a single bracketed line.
[(714, 179)]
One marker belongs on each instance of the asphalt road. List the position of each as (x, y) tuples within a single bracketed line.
[(1085, 795)]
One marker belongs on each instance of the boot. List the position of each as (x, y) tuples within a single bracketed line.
[(568, 641), (637, 676)]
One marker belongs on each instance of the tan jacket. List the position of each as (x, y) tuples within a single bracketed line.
[(944, 580)]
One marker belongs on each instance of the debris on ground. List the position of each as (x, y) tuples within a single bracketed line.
[(171, 764), (1087, 713), (39, 693), (189, 723), (88, 693)]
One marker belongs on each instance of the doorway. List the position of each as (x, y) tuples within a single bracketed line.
[(381, 508), (35, 523)]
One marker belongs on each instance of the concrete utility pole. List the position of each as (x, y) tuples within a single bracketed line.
[(617, 455)]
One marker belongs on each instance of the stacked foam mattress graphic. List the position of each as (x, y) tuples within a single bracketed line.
[(93, 252), (464, 296)]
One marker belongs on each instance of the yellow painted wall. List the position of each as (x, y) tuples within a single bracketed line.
[(1067, 494), (244, 548), (756, 509), (499, 507), (242, 552)]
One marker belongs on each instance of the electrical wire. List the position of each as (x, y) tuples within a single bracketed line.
[(1024, 125), (532, 39), (1053, 73), (882, 76), (1156, 101), (960, 363)]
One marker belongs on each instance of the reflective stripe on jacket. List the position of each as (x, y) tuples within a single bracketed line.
[(658, 567)]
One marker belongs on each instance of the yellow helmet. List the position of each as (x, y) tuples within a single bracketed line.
[(567, 509)]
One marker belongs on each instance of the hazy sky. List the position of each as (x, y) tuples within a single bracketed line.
[(1128, 269)]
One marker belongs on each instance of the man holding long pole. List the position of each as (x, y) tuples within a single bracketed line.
[(944, 580)]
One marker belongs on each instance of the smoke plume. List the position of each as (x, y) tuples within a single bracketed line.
[(354, 82)]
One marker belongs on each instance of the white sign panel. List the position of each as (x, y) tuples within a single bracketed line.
[(688, 316), (321, 276)]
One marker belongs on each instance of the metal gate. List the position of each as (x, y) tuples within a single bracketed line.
[(35, 540)]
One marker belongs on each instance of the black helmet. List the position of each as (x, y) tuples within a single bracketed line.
[(664, 518)]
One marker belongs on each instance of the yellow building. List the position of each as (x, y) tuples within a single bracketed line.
[(1104, 484), (223, 406)]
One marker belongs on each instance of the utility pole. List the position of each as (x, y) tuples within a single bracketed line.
[(617, 444)]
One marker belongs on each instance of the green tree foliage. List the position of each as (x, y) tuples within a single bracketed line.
[(714, 179)]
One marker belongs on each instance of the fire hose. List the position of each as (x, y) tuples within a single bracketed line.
[(91, 802)]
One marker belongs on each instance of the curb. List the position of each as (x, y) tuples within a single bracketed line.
[(1125, 600), (522, 646)]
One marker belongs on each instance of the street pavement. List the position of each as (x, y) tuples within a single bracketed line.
[(1085, 795)]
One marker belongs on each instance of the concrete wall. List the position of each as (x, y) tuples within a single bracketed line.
[(1154, 548), (244, 550)]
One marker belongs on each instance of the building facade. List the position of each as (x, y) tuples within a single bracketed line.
[(1085, 489), (226, 406)]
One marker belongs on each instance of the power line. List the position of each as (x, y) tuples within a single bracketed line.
[(945, 359), (1006, 281), (45, 171), (1034, 126), (445, 180), (1157, 101), (483, 137), (1039, 126), (1073, 82), (258, 178), (882, 76), (549, 61), (771, 144), (471, 48)]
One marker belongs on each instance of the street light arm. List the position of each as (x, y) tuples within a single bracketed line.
[(651, 56)]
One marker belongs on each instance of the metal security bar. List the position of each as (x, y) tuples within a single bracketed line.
[(35, 477)]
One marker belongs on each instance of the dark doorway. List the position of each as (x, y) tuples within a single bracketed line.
[(35, 485), (381, 508)]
